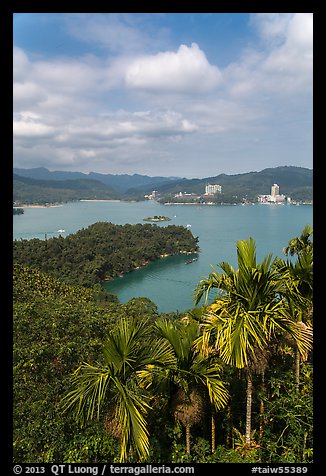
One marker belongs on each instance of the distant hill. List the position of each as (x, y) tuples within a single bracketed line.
[(29, 190), (119, 183)]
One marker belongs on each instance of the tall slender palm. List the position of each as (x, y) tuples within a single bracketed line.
[(247, 313), (192, 374), (299, 280), (299, 275), (112, 390)]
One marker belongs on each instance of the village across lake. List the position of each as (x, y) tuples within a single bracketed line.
[(170, 282)]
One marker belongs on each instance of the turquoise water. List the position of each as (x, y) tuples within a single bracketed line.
[(170, 282)]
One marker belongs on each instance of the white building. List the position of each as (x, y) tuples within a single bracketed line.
[(274, 197), (275, 190), (152, 196), (213, 189)]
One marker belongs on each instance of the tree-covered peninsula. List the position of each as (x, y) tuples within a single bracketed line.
[(103, 251)]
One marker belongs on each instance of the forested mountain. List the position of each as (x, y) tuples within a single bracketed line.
[(39, 184), (294, 181), (119, 183), (29, 190)]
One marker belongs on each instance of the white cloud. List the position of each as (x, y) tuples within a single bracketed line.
[(74, 139), (186, 70), (271, 27), (27, 93), (31, 129), (21, 64), (68, 76), (281, 65), (293, 58)]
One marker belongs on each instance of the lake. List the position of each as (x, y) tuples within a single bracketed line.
[(170, 282)]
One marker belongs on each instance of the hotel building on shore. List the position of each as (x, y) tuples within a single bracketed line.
[(274, 196), (213, 189)]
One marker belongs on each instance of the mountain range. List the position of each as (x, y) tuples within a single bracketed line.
[(41, 185), (120, 183)]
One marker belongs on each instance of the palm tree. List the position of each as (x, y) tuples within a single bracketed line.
[(299, 281), (247, 313), (112, 389), (191, 375), (301, 243)]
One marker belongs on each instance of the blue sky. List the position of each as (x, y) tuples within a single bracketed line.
[(187, 94)]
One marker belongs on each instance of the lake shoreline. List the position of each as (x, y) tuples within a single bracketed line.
[(99, 200), (25, 205), (146, 263)]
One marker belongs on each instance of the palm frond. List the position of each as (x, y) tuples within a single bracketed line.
[(90, 388), (300, 332), (217, 392), (131, 414), (180, 336)]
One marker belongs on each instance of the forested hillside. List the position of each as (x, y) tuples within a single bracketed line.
[(84, 367), (56, 326), (28, 190), (296, 182), (103, 250)]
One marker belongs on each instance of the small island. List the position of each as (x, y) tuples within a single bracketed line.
[(18, 211), (157, 218)]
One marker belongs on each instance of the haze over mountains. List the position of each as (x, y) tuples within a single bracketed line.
[(120, 183), (39, 184)]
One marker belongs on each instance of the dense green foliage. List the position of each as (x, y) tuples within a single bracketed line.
[(56, 326), (218, 199), (180, 400), (103, 250)]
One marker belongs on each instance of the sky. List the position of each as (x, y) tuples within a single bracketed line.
[(168, 94)]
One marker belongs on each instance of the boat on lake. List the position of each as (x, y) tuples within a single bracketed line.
[(191, 260)]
